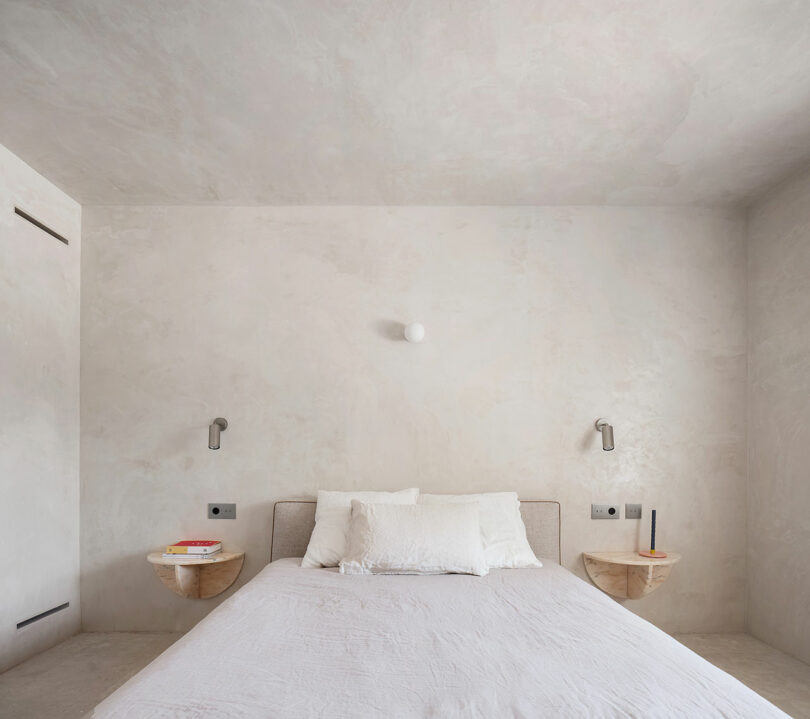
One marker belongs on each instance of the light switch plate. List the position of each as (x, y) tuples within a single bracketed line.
[(219, 510), (632, 511), (605, 511)]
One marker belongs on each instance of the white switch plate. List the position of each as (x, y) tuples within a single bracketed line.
[(605, 511)]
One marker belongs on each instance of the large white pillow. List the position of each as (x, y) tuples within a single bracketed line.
[(332, 514), (502, 530), (414, 539)]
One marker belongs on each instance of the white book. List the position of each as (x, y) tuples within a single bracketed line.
[(209, 555)]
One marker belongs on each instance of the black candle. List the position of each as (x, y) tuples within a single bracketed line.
[(652, 537)]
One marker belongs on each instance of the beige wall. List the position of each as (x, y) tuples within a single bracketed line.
[(39, 397), (286, 322), (779, 419)]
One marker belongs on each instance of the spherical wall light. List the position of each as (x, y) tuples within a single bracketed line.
[(414, 332)]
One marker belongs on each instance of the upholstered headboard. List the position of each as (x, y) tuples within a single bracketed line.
[(293, 520)]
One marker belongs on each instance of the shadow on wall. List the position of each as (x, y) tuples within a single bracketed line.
[(390, 330), (589, 440)]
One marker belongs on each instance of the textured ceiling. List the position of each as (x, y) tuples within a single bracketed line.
[(397, 102)]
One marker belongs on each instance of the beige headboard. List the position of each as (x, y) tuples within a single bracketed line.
[(294, 519)]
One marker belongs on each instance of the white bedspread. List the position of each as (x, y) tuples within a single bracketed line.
[(517, 643)]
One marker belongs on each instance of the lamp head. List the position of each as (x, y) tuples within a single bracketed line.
[(414, 332), (607, 434), (217, 426)]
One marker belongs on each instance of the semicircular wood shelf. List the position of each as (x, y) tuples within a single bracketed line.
[(626, 574), (198, 578)]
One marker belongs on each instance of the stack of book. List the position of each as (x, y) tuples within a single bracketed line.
[(193, 549)]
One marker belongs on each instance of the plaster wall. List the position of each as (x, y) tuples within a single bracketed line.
[(39, 396), (778, 408), (287, 321)]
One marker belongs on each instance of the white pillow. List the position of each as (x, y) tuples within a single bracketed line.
[(414, 539), (332, 514), (502, 530)]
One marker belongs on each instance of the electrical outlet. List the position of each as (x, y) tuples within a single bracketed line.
[(219, 510), (605, 511), (632, 511)]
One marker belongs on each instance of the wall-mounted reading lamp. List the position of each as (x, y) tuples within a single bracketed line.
[(607, 434), (217, 426)]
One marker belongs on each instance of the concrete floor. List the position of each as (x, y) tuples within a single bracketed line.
[(66, 682), (781, 679)]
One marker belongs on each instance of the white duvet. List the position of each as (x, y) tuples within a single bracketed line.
[(300, 642)]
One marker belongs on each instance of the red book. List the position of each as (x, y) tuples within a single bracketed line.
[(195, 546)]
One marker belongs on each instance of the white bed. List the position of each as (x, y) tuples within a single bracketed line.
[(298, 642)]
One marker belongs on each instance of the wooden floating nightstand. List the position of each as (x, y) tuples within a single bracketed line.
[(198, 578), (626, 574)]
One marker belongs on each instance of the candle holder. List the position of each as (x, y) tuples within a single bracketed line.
[(652, 553)]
